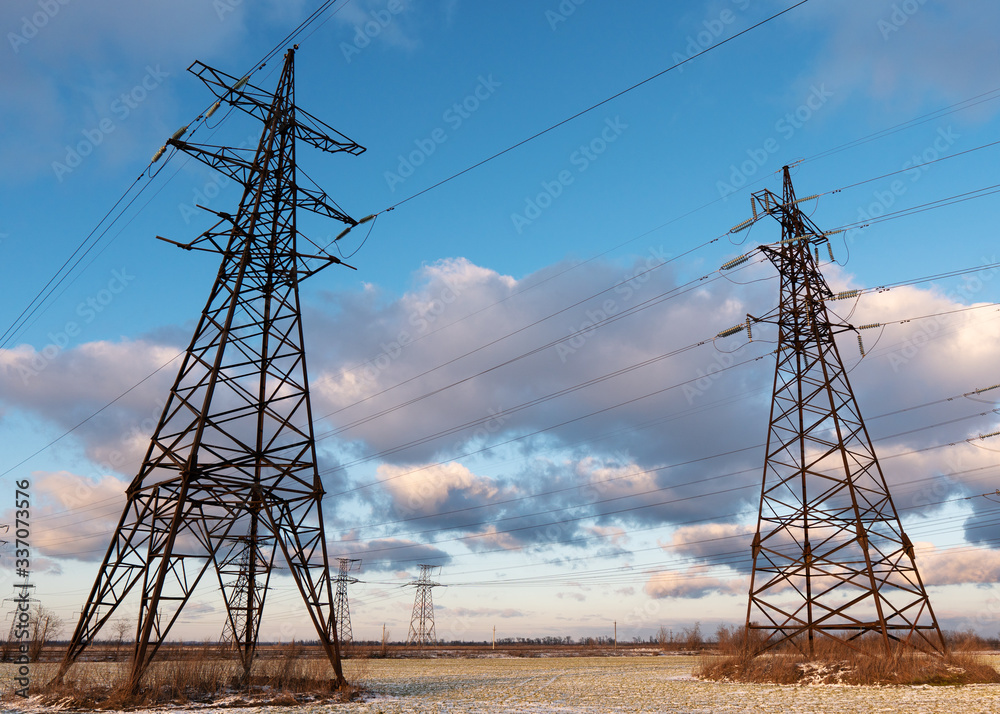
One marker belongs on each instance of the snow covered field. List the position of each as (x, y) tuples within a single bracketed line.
[(611, 684)]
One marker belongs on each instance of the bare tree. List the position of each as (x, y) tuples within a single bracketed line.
[(44, 625), (121, 628), (692, 636), (664, 637)]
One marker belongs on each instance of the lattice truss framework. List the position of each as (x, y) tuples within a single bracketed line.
[(231, 466), (830, 557), (342, 608), (422, 620)]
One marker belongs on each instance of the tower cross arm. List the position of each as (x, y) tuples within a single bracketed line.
[(305, 272), (323, 136), (318, 202), (257, 103), (235, 91), (224, 159)]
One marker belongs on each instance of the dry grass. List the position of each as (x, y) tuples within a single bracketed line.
[(203, 677), (834, 663)]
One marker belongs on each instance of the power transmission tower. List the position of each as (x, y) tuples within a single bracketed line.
[(422, 620), (30, 601), (233, 458), (341, 606), (252, 570), (830, 557)]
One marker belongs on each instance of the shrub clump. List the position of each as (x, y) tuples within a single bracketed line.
[(203, 677), (739, 659)]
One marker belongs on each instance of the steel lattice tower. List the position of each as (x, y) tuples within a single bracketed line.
[(252, 570), (422, 619), (830, 557), (14, 613), (232, 460), (341, 607)]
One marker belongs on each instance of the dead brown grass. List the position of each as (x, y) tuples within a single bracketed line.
[(834, 663), (284, 678)]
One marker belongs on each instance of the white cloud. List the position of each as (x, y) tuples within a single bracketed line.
[(690, 584), (957, 566), (73, 385), (901, 51), (74, 68), (672, 458), (73, 516), (378, 22), (427, 490)]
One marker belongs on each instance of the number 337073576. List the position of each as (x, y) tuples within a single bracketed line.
[(22, 502)]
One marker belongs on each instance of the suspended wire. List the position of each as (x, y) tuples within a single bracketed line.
[(674, 292), (440, 434), (922, 529), (913, 167), (81, 423), (91, 416), (585, 517), (629, 475), (425, 467), (495, 533), (724, 558), (598, 104), (571, 336), (40, 297), (361, 245), (548, 278), (910, 123), (535, 323), (923, 207), (35, 305), (606, 575)]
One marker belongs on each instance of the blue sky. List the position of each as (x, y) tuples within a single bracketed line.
[(544, 520)]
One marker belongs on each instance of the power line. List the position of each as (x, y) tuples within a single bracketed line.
[(595, 106), (61, 274)]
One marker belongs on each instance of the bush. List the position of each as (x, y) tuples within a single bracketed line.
[(834, 662), (200, 675)]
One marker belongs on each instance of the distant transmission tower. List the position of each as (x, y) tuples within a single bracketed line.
[(422, 620), (341, 606), (830, 557), (24, 587), (252, 572), (232, 461)]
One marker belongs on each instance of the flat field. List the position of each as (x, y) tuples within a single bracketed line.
[(601, 684)]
